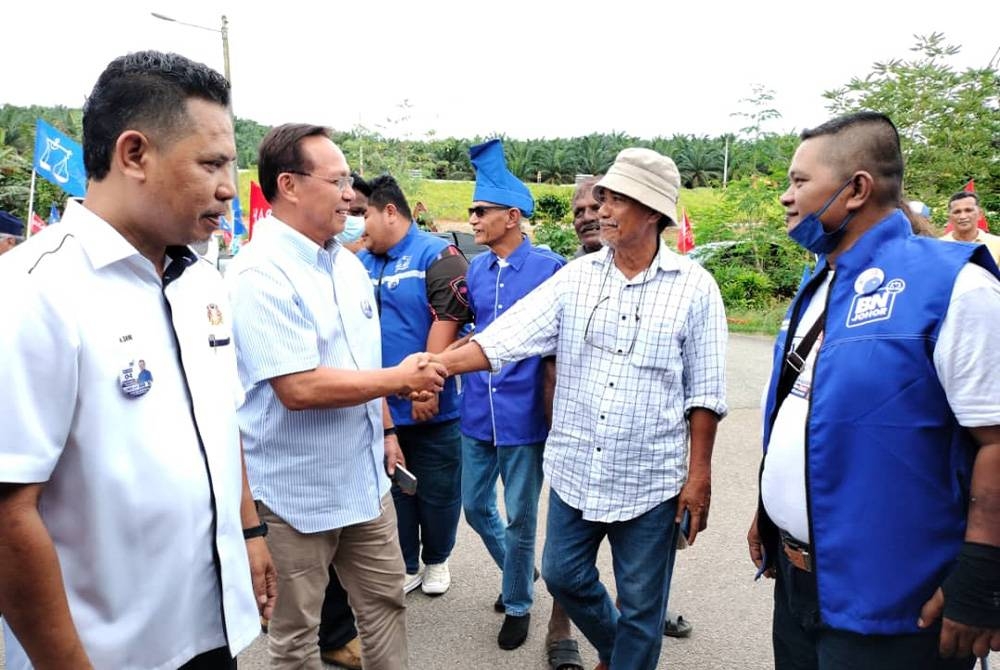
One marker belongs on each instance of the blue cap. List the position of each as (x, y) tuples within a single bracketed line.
[(495, 183), (11, 225)]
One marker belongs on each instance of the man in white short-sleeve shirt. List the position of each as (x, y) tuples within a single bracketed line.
[(123, 496)]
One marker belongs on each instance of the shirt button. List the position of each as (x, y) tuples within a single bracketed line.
[(611, 384), (602, 417), (619, 351), (501, 285), (598, 448), (494, 389), (499, 306), (624, 317)]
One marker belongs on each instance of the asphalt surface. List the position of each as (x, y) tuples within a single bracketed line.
[(713, 585)]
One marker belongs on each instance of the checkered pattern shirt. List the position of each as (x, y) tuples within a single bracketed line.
[(634, 356)]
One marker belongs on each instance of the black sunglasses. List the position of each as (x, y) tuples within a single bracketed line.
[(481, 210)]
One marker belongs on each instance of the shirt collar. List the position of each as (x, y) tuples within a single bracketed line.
[(517, 258), (104, 245), (665, 259), (296, 243)]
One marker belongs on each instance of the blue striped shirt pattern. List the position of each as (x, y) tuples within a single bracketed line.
[(298, 306)]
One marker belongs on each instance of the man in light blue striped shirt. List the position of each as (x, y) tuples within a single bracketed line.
[(307, 337)]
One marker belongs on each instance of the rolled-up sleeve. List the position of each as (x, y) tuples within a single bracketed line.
[(529, 328), (704, 351)]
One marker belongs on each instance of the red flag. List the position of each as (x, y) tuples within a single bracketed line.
[(970, 187), (259, 206), (685, 236), (37, 223)]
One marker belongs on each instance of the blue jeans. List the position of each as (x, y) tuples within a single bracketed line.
[(433, 453), (512, 546), (802, 642), (642, 550)]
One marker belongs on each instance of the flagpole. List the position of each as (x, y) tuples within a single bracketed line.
[(31, 205)]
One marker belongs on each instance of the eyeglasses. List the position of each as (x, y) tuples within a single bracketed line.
[(343, 183), (588, 335), (481, 210)]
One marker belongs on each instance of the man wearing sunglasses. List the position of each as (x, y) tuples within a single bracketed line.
[(640, 336)]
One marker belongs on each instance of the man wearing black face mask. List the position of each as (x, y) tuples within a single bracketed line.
[(879, 513)]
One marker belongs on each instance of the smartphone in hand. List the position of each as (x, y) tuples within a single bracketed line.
[(405, 480), (683, 530)]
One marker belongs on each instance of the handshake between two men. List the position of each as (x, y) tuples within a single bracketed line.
[(424, 373)]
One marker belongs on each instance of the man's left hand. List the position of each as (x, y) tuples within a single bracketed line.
[(958, 640), (263, 575), (424, 410), (393, 455), (695, 496)]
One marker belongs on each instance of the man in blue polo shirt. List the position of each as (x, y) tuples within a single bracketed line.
[(420, 293), (504, 422)]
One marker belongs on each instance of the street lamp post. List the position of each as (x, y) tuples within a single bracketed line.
[(224, 31)]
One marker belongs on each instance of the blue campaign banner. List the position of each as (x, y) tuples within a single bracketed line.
[(238, 227), (59, 159)]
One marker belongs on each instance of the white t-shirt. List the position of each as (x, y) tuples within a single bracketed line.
[(966, 360), (118, 395)]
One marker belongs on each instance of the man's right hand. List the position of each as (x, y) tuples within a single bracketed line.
[(419, 373)]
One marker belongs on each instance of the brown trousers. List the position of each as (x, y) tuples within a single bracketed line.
[(368, 561)]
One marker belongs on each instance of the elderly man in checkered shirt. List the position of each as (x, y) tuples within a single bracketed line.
[(639, 335)]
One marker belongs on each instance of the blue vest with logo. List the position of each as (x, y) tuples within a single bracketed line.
[(399, 278), (887, 465)]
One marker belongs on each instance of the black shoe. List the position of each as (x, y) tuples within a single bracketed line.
[(514, 631), (498, 605)]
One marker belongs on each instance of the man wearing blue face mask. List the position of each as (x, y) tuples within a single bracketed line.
[(879, 510), (352, 236)]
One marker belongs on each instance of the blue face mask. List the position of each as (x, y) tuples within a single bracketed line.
[(810, 234), (353, 227)]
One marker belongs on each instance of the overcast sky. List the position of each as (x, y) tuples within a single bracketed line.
[(527, 69)]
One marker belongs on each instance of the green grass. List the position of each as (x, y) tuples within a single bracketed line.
[(763, 321)]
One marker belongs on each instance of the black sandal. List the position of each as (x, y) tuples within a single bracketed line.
[(564, 655)]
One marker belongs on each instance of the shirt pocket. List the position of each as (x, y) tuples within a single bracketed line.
[(657, 346)]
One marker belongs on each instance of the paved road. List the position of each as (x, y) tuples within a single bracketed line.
[(713, 584)]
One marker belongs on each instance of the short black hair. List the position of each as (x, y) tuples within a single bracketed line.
[(962, 195), (385, 189), (866, 141), (281, 151), (360, 185), (147, 91)]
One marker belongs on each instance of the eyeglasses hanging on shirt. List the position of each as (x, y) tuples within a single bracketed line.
[(613, 320)]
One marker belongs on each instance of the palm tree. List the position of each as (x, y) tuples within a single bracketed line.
[(592, 154)]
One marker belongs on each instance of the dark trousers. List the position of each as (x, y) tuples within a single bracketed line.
[(336, 624), (217, 659), (428, 521), (801, 642)]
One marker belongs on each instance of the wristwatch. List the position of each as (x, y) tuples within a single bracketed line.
[(256, 531)]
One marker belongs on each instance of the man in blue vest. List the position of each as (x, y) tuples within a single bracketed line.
[(420, 292), (879, 511)]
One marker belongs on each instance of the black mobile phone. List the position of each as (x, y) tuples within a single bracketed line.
[(683, 530), (404, 479)]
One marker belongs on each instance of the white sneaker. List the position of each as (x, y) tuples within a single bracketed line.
[(437, 579), (413, 581)]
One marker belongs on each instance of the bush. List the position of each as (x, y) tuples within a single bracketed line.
[(560, 237), (743, 288), (551, 207)]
